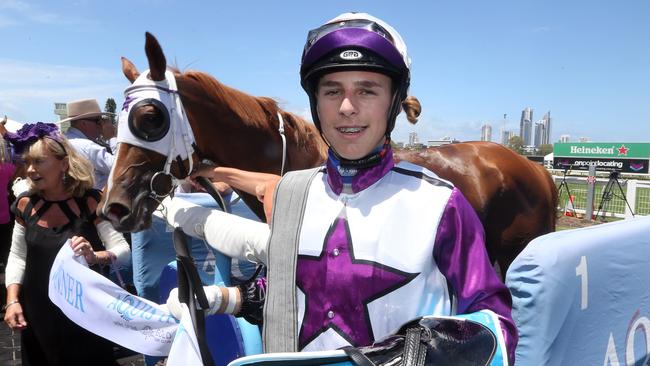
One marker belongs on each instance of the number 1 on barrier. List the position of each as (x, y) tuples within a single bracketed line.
[(581, 270)]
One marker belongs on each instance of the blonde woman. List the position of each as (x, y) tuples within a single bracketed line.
[(59, 205)]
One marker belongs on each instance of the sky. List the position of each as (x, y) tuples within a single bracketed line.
[(587, 62)]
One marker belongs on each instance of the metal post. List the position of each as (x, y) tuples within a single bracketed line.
[(630, 197), (591, 189)]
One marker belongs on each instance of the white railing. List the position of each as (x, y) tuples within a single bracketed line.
[(637, 194)]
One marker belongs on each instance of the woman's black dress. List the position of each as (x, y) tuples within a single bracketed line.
[(50, 337)]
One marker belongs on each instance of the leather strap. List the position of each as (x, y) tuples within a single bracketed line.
[(280, 310), (414, 350), (357, 357)]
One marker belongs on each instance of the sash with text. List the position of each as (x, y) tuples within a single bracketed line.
[(101, 307)]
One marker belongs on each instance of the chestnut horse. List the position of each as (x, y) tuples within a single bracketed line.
[(514, 198)]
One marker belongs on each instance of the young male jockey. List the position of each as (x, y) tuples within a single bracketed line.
[(378, 244)]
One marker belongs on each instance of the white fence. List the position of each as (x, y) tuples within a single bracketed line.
[(636, 192)]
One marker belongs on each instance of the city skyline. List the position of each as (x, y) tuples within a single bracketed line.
[(472, 62)]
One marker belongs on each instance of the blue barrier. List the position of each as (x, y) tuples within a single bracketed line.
[(154, 272), (582, 297), (228, 337)]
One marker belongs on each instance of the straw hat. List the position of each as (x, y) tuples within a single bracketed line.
[(84, 109)]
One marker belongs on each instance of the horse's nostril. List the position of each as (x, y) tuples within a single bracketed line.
[(118, 210)]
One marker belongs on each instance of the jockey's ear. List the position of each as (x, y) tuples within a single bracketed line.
[(129, 70)]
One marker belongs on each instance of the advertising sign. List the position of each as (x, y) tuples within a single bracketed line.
[(606, 156), (639, 166), (617, 150)]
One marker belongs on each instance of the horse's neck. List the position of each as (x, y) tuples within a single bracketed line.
[(246, 132)]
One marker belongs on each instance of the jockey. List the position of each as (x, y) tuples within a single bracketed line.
[(377, 243)]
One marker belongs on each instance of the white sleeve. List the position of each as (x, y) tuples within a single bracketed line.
[(231, 235), (15, 270), (112, 142), (102, 160), (114, 242)]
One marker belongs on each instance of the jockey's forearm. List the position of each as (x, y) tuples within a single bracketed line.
[(231, 235), (236, 236), (241, 179)]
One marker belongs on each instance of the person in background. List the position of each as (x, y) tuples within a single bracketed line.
[(87, 125), (109, 133), (7, 170), (378, 244), (59, 205)]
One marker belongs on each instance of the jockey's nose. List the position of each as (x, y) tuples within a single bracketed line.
[(347, 107)]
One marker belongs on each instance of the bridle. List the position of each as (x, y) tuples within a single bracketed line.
[(284, 142), (174, 139)]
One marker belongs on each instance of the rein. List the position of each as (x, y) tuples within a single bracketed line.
[(284, 142)]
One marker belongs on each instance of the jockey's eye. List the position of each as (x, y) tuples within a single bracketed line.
[(149, 120)]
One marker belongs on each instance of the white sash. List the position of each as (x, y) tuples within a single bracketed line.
[(185, 350), (101, 307)]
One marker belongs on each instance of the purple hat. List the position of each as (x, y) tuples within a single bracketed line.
[(30, 133)]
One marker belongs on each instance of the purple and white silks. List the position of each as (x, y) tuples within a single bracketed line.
[(404, 244)]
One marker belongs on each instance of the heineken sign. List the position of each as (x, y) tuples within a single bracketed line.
[(616, 150), (606, 156)]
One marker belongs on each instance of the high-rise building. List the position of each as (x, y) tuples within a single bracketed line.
[(505, 136), (565, 138), (540, 133), (61, 110), (413, 138), (486, 132), (526, 126), (546, 122)]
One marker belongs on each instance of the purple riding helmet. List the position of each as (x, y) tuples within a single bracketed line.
[(356, 41)]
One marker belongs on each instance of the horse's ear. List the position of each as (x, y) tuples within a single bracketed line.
[(129, 70), (156, 57)]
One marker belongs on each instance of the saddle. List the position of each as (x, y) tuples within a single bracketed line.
[(425, 341), (431, 341)]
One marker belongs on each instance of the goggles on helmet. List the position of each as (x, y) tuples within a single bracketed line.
[(367, 24)]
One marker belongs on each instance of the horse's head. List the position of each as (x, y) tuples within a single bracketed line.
[(155, 144)]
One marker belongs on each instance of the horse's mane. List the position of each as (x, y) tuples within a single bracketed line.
[(256, 112), (251, 110)]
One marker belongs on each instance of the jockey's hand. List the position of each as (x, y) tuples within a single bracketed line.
[(203, 170), (14, 317), (218, 301), (265, 192)]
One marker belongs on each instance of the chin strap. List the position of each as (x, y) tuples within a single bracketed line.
[(368, 161)]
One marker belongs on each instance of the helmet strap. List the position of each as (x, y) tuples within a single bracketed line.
[(368, 161)]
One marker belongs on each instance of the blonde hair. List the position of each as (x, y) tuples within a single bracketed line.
[(79, 177)]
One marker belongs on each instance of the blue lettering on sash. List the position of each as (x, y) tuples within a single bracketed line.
[(78, 303), (68, 288), (167, 318), (130, 307)]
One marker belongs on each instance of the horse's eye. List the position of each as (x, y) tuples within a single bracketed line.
[(149, 120)]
